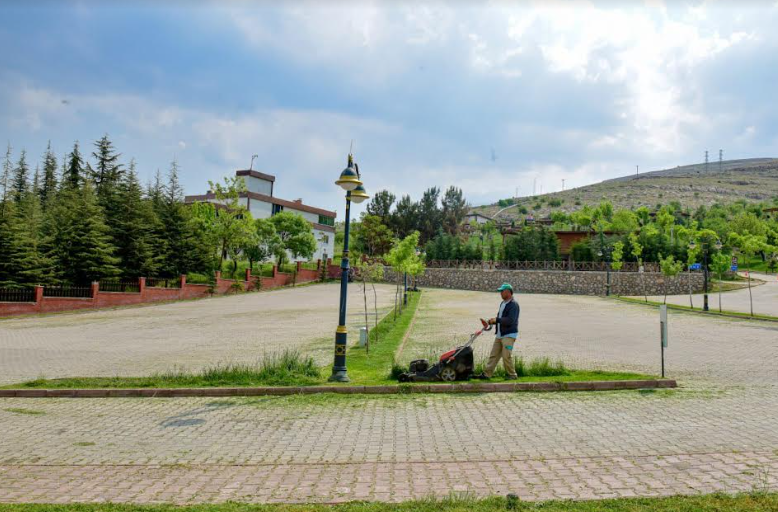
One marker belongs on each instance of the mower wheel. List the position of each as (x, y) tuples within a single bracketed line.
[(448, 373)]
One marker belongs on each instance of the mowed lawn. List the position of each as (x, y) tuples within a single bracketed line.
[(138, 341), (595, 333)]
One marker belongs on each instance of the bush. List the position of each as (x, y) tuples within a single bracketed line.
[(196, 278), (556, 202), (287, 368)]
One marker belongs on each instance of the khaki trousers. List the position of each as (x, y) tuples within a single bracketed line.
[(500, 350)]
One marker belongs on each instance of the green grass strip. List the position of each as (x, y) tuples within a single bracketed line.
[(679, 307), (753, 502), (374, 366)]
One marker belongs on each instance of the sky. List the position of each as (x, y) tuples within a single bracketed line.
[(491, 97)]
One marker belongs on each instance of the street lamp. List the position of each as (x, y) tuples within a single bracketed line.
[(350, 182), (705, 248)]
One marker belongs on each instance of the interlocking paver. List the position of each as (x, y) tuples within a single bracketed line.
[(716, 433), (190, 334)]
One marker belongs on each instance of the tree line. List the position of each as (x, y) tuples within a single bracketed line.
[(638, 235), (87, 218)]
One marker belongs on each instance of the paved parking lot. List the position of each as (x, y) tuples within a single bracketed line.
[(191, 334), (764, 297), (717, 433)]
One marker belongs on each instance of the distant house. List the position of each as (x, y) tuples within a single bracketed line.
[(261, 203), (479, 218)]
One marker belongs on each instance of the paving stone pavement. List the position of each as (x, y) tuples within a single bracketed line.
[(190, 334), (764, 296), (718, 432)]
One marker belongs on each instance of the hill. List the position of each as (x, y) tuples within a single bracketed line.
[(753, 180)]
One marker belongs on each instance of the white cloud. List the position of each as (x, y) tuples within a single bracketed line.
[(650, 52)]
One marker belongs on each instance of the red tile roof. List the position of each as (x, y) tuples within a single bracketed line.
[(268, 199)]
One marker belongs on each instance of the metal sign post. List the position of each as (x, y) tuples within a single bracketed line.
[(663, 333)]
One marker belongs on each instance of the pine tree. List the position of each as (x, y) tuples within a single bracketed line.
[(106, 175), (76, 237), (136, 223), (36, 181), (29, 264), (8, 231), (74, 174), (179, 253), (156, 192), (107, 172), (49, 185), (7, 166), (21, 179)]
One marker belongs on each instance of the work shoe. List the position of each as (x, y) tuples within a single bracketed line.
[(512, 377), (481, 376)]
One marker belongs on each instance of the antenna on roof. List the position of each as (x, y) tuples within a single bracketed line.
[(351, 148), (251, 167)]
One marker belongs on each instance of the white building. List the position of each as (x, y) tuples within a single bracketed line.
[(479, 218), (260, 202)]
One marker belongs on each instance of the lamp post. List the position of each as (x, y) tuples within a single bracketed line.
[(705, 248), (606, 251), (350, 182)]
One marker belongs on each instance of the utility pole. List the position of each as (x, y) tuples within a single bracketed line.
[(563, 184), (251, 167), (534, 186), (706, 161), (721, 157), (637, 171)]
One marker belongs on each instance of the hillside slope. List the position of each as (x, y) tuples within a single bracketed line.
[(753, 179)]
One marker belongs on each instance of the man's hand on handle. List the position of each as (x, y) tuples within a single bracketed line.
[(489, 322)]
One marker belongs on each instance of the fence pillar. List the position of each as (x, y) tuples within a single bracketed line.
[(141, 285), (299, 265), (182, 281), (248, 279), (275, 271), (95, 289), (38, 297), (318, 264)]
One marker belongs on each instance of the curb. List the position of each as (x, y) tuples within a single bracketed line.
[(501, 387), (684, 309)]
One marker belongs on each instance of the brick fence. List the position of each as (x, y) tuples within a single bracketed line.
[(147, 294)]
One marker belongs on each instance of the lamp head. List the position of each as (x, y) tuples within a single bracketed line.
[(692, 245), (718, 245), (359, 194), (349, 178)]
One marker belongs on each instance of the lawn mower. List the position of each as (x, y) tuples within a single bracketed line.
[(456, 364)]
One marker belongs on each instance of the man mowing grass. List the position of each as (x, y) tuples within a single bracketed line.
[(506, 333)]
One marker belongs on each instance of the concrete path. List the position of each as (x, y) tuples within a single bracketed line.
[(718, 433), (764, 288), (190, 334)]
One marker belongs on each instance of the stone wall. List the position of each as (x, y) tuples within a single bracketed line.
[(558, 282)]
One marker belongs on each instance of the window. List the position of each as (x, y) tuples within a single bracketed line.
[(327, 221), (277, 208)]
